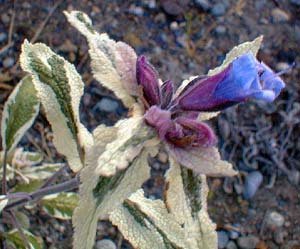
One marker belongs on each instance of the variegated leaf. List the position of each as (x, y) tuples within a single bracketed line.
[(113, 63), (186, 199), (136, 229), (19, 112), (202, 160), (100, 195), (10, 171), (132, 136), (41, 172), (181, 221), (23, 219), (3, 202), (60, 206), (246, 47), (15, 240), (59, 88), (147, 223), (28, 186), (21, 158)]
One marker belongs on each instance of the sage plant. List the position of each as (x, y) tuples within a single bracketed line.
[(112, 162)]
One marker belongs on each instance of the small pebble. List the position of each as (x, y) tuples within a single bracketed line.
[(228, 185), (218, 9), (220, 30), (174, 26), (252, 183), (287, 223), (247, 242), (216, 183), (108, 105), (5, 18), (279, 16), (259, 5), (238, 187), (281, 66), (222, 239), (3, 36), (296, 32), (275, 219), (231, 245), (233, 234), (105, 244), (295, 2), (152, 4), (181, 40), (162, 157), (8, 62), (174, 7), (68, 46), (136, 10), (156, 166), (160, 17), (203, 4)]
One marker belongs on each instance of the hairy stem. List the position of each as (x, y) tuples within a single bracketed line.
[(4, 183), (36, 195)]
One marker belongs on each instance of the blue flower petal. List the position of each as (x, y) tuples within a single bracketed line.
[(242, 80)]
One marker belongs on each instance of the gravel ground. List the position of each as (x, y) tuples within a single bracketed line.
[(260, 207)]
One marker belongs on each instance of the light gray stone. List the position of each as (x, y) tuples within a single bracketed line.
[(203, 4), (218, 9), (3, 36), (105, 244), (108, 105), (247, 242), (222, 239), (279, 16), (275, 219), (231, 245), (8, 62), (252, 183)]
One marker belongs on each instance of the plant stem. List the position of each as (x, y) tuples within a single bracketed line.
[(4, 183), (36, 195), (51, 179)]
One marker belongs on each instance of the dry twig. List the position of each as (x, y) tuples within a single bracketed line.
[(43, 24)]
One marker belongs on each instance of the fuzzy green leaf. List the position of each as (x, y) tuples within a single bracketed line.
[(28, 187), (113, 63), (23, 219), (100, 195), (14, 239), (186, 199), (60, 89), (148, 224), (180, 221), (132, 136), (41, 172), (19, 112), (60, 206)]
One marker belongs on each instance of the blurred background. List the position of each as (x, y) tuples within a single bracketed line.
[(260, 208)]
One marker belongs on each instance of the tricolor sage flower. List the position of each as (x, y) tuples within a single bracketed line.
[(116, 165), (176, 117)]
